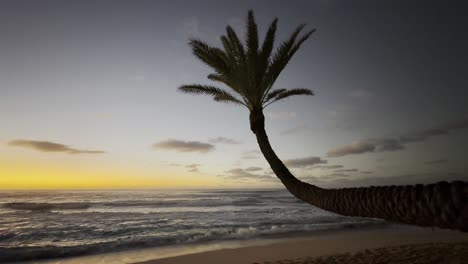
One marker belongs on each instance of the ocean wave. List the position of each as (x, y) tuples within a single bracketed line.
[(142, 203), (136, 203), (46, 206), (64, 224), (12, 254)]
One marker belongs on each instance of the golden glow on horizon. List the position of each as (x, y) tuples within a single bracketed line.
[(16, 175)]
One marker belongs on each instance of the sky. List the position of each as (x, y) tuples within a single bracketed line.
[(88, 95)]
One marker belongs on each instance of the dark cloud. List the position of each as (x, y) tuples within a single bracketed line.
[(312, 179), (356, 147), (435, 131), (243, 174), (334, 176), (388, 145), (224, 140), (253, 169), (347, 170), (47, 146), (367, 145), (393, 144), (193, 167), (184, 146), (328, 167), (434, 162), (324, 180), (304, 162)]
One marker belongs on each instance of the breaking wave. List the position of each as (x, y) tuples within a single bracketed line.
[(46, 206), (40, 225)]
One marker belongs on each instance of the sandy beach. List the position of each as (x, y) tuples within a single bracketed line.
[(389, 245)]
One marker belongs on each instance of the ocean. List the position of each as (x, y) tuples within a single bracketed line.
[(38, 225)]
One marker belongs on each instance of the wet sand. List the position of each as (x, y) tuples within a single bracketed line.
[(389, 245)]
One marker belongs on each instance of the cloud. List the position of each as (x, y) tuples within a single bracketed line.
[(435, 131), (326, 179), (224, 140), (242, 174), (47, 146), (347, 170), (434, 162), (193, 167), (253, 169), (184, 146), (334, 175), (393, 144), (304, 162), (367, 145), (328, 167), (388, 144), (356, 147), (294, 130)]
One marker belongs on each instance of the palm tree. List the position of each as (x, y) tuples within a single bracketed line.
[(250, 71)]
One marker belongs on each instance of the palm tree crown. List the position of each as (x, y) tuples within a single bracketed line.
[(249, 70)]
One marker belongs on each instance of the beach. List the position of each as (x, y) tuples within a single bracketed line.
[(389, 245), (205, 226)]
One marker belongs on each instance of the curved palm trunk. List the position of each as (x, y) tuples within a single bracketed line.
[(443, 204)]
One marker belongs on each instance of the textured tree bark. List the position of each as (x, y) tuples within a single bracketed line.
[(442, 204)]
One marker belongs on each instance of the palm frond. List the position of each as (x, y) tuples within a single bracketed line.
[(226, 98), (253, 69), (228, 48), (201, 89), (218, 94), (252, 35), (273, 94), (218, 78), (280, 59), (287, 93), (236, 43), (213, 57), (227, 81), (267, 46), (300, 41)]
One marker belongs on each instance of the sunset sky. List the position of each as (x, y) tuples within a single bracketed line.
[(88, 95)]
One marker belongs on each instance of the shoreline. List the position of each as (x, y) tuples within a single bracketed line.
[(292, 245), (320, 245)]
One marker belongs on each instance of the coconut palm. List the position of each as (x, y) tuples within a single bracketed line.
[(250, 70)]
